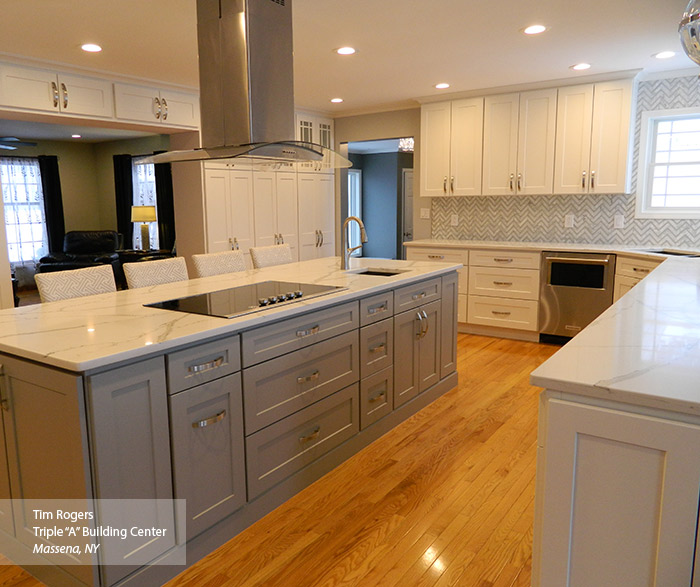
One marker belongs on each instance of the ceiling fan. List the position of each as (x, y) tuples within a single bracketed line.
[(12, 143)]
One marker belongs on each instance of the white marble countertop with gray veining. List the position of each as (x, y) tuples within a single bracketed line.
[(93, 332)]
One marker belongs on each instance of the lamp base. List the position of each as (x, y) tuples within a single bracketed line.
[(145, 237)]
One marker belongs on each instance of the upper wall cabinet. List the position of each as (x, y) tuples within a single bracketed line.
[(311, 128), (593, 137), (154, 105), (519, 133), (47, 91), (451, 134)]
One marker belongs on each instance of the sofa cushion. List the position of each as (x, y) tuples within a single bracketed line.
[(85, 242)]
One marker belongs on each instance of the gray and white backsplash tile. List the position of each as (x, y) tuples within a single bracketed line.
[(541, 218)]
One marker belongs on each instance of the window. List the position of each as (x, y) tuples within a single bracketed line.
[(23, 201), (144, 182), (669, 165), (354, 208)]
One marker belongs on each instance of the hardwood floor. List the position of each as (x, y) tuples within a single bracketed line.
[(446, 498)]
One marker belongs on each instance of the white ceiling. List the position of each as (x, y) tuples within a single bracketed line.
[(404, 46)]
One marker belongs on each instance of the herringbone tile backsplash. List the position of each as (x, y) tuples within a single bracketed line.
[(541, 218)]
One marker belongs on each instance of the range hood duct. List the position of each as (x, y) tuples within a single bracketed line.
[(246, 81)]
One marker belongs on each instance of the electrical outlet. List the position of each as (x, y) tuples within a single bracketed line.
[(425, 213), (454, 220), (569, 221), (618, 221)]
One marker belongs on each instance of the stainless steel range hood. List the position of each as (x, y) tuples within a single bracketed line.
[(246, 84)]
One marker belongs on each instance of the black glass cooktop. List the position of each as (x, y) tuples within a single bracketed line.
[(246, 299)]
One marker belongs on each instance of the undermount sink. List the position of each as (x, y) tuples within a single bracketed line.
[(378, 271), (673, 252)]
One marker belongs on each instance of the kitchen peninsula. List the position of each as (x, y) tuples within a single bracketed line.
[(106, 398)]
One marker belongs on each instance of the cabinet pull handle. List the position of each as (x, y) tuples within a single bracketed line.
[(427, 324), (436, 256), (165, 108), (376, 309), (316, 237), (640, 270), (322, 238), (208, 421), (377, 397), (452, 184), (503, 259), (54, 90), (510, 182), (313, 377), (64, 90), (419, 316), (377, 349), (156, 101), (520, 181), (418, 296), (281, 239), (503, 283), (206, 366), (308, 331), (444, 185), (583, 179), (234, 245), (4, 403), (592, 180), (497, 313), (312, 436)]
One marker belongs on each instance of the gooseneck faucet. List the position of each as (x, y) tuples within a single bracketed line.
[(345, 259)]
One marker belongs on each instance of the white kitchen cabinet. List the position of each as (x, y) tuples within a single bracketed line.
[(451, 148), (618, 498), (593, 138), (47, 91), (629, 271), (312, 128), (519, 133), (275, 209), (316, 193), (157, 106)]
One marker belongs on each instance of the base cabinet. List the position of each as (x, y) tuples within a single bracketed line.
[(617, 497)]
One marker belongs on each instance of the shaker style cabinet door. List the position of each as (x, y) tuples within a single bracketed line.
[(500, 144), (435, 149)]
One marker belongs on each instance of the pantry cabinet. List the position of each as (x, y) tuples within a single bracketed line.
[(156, 105), (316, 215), (275, 209)]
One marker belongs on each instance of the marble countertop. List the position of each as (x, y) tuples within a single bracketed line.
[(83, 334)]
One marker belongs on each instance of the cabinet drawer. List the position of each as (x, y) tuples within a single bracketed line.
[(443, 256), (282, 337), (202, 363), (375, 308), (502, 312), (504, 283), (287, 446), (206, 432), (277, 388), (631, 267), (416, 294), (509, 258), (376, 396), (376, 347)]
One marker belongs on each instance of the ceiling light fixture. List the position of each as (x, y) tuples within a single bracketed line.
[(91, 48), (665, 55), (76, 136), (688, 29), (580, 66), (534, 29), (442, 86), (345, 51), (336, 100)]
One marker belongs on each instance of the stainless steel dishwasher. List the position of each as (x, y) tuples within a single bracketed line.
[(575, 289)]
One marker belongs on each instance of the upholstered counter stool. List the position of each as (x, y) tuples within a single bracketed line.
[(272, 255), (147, 273), (75, 283)]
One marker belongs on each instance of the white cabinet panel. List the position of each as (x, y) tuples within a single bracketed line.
[(265, 209), (275, 195), (149, 104), (287, 210), (316, 215), (435, 148), (500, 143)]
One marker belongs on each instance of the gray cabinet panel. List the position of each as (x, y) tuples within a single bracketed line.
[(376, 397), (448, 339), (377, 307), (206, 427), (376, 347), (204, 362), (288, 445), (277, 388), (416, 294), (289, 335), (406, 332), (429, 347)]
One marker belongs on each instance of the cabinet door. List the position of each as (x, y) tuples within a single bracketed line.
[(7, 523), (612, 103), (27, 88), (137, 103), (208, 459), (265, 214), (448, 325), (536, 133), (325, 209), (500, 144), (85, 96), (429, 345), (286, 210), (435, 149), (466, 147), (620, 498), (573, 142), (406, 359), (241, 212), (217, 201), (308, 227), (622, 285), (179, 108)]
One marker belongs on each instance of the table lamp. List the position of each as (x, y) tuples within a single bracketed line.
[(145, 215)]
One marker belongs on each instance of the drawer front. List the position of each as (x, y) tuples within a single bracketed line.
[(443, 256), (206, 433), (282, 386), (504, 283), (505, 258), (631, 267), (502, 312), (376, 397), (203, 363), (376, 347), (376, 308), (416, 294), (282, 337), (285, 447)]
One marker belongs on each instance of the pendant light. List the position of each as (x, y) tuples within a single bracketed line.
[(689, 29)]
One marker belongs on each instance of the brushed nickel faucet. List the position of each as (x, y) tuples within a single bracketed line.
[(345, 259)]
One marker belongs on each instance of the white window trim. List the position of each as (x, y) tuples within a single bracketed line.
[(646, 139)]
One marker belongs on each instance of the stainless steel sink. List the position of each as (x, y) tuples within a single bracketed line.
[(378, 271)]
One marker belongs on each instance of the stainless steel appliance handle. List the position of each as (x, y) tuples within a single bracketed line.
[(577, 260), (209, 421)]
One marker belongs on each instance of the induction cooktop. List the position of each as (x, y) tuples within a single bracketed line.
[(246, 299)]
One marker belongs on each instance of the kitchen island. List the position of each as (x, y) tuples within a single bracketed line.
[(105, 398)]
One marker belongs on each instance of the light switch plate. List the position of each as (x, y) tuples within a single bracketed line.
[(569, 221), (425, 213), (454, 220), (618, 221)]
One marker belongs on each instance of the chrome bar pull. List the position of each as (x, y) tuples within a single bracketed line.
[(209, 421), (510, 181), (313, 377), (156, 102), (378, 349), (640, 270), (418, 296), (376, 309), (497, 313), (436, 256), (308, 331), (444, 185), (377, 397), (520, 181), (427, 323), (64, 90), (54, 91), (452, 184), (314, 434), (208, 366), (322, 237), (419, 316), (503, 259), (583, 179), (236, 246), (592, 180), (503, 283), (165, 108)]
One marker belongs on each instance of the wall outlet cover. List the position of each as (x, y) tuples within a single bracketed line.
[(618, 221), (569, 221), (425, 213), (454, 220)]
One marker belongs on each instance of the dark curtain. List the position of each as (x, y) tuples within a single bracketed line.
[(166, 208), (53, 201), (124, 195)]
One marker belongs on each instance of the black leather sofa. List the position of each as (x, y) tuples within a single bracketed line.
[(84, 248)]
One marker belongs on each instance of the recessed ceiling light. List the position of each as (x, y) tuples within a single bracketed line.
[(76, 136), (580, 66), (91, 48), (336, 100), (442, 86), (665, 55), (535, 29), (345, 51)]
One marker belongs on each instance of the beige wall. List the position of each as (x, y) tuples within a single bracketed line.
[(388, 125)]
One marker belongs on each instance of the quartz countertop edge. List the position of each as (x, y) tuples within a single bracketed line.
[(90, 333)]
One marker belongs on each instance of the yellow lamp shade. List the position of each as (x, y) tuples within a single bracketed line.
[(143, 214)]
